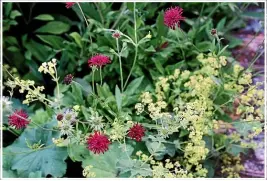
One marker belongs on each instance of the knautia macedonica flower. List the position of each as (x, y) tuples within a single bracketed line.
[(69, 4), (136, 132), (98, 143), (19, 119), (173, 16), (213, 32), (98, 60), (60, 117), (116, 34), (68, 79)]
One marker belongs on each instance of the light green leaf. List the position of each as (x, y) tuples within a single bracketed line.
[(77, 38), (158, 149), (40, 117), (48, 160), (37, 174), (104, 165), (161, 28), (221, 24), (77, 92), (150, 49), (132, 88), (7, 164), (234, 149), (14, 14), (118, 97), (135, 167), (44, 17), (55, 41), (78, 152), (54, 27), (224, 48)]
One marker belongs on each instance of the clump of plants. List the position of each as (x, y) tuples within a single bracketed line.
[(177, 126)]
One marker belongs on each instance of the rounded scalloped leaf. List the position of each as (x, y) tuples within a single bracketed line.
[(104, 165), (49, 160)]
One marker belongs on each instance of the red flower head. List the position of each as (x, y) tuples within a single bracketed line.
[(98, 60), (68, 79), (116, 35), (19, 119), (69, 4), (137, 132), (173, 16), (60, 117), (98, 143)]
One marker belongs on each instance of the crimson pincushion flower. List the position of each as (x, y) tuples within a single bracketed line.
[(98, 143), (173, 16), (69, 4), (68, 79), (19, 119), (98, 60), (136, 132)]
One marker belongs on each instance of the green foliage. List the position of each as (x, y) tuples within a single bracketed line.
[(48, 159), (178, 77), (104, 166)]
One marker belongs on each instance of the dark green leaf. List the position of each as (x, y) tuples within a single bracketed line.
[(54, 27)]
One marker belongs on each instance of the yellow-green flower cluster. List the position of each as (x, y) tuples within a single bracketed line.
[(33, 92), (117, 132), (87, 172), (237, 80), (231, 166), (48, 67), (164, 169), (199, 86), (211, 64), (251, 108)]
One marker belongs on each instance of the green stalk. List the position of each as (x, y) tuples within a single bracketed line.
[(135, 58), (136, 48), (85, 21), (119, 56), (83, 15), (93, 80), (101, 76)]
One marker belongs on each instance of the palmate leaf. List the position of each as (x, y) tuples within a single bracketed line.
[(49, 160), (104, 165), (134, 167)]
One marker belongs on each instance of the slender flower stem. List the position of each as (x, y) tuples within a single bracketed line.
[(100, 13), (14, 132), (119, 56), (135, 58), (83, 15), (101, 79), (219, 42), (135, 28), (136, 48), (93, 79), (85, 21)]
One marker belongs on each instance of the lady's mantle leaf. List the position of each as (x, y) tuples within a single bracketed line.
[(49, 159), (104, 165)]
